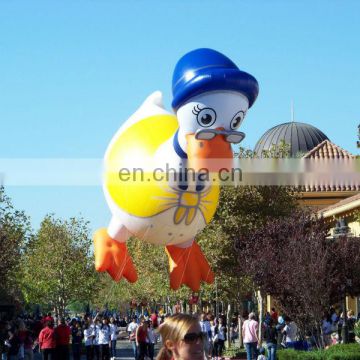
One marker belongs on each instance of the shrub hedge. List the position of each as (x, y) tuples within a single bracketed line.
[(336, 352)]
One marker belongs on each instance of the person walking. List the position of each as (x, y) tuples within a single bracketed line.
[(62, 337), (76, 339), (206, 330), (221, 333), (96, 329), (132, 335), (104, 340), (14, 343), (89, 336), (151, 340), (47, 341), (113, 338), (250, 336), (141, 339), (26, 342), (270, 336), (290, 330)]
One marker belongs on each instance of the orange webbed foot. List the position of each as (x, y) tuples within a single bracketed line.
[(188, 266), (113, 257)]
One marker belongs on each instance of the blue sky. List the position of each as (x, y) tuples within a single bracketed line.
[(72, 71)]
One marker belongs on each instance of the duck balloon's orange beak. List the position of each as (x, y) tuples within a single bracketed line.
[(209, 155)]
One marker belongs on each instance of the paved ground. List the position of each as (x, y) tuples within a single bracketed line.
[(124, 350)]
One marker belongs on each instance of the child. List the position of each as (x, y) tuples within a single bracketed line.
[(261, 352)]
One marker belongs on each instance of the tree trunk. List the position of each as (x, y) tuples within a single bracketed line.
[(228, 319), (240, 331), (320, 337), (61, 307), (345, 329), (261, 315)]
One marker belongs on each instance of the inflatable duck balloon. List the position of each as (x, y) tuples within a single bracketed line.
[(146, 165)]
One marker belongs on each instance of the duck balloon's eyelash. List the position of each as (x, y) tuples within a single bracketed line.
[(196, 109)]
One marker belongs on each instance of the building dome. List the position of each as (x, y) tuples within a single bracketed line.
[(301, 138)]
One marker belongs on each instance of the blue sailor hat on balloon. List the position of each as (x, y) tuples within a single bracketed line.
[(204, 70)]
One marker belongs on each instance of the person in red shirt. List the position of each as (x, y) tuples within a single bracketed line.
[(47, 341), (26, 341), (141, 337), (47, 318), (274, 315), (62, 337), (154, 319)]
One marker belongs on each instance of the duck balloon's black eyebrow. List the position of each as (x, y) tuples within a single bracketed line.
[(196, 109)]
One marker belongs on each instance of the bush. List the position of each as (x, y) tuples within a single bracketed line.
[(357, 328), (234, 352), (336, 352), (344, 352), (291, 354)]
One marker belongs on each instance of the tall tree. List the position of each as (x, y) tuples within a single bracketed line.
[(57, 266), (14, 234)]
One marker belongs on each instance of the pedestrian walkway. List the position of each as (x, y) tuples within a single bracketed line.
[(124, 350)]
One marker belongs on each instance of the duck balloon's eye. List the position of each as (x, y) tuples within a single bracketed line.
[(236, 120), (206, 117)]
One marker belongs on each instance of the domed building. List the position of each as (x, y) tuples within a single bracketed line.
[(305, 141), (299, 136), (338, 202)]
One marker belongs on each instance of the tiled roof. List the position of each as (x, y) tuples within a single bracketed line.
[(328, 150), (342, 203), (329, 187)]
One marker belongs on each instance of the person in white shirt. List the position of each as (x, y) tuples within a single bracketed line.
[(96, 328), (113, 337), (218, 333), (206, 330), (214, 337), (104, 340), (290, 331), (88, 338), (132, 335), (250, 335), (221, 337)]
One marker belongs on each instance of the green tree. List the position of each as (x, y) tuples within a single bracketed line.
[(57, 266), (14, 234), (276, 151)]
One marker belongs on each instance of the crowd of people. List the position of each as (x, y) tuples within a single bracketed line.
[(96, 337), (332, 326), (56, 339), (282, 332)]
